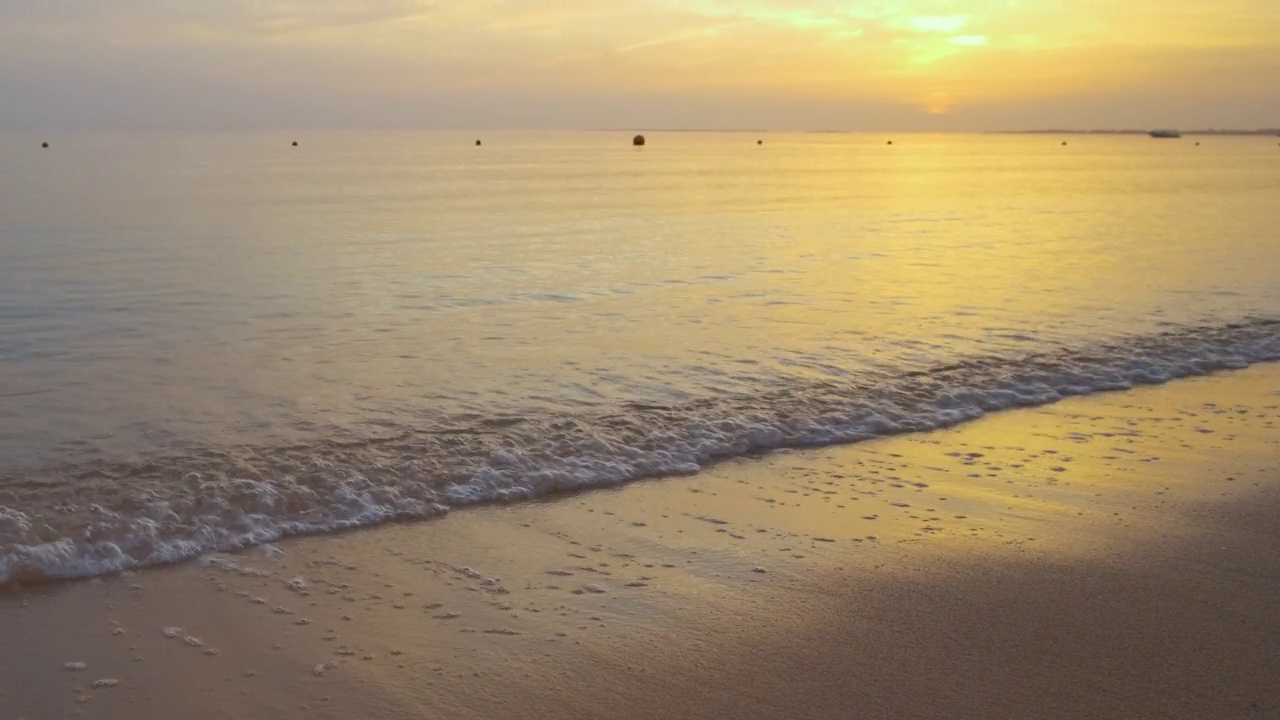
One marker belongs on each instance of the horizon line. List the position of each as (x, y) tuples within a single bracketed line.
[(621, 129)]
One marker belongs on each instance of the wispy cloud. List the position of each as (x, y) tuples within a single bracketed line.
[(937, 23), (286, 16), (242, 15)]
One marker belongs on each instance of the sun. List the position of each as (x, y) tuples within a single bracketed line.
[(937, 105)]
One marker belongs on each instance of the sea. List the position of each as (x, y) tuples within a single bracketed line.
[(215, 340)]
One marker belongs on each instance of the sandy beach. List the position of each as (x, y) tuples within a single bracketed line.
[(1111, 556)]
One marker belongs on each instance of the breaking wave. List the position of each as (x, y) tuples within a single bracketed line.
[(73, 522)]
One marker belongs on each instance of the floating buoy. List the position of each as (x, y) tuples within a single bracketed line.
[(295, 143), (638, 141), (889, 143), (44, 145), (477, 143), (759, 142), (1064, 142)]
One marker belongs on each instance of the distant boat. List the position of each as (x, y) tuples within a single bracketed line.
[(1166, 134)]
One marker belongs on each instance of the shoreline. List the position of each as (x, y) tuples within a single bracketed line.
[(225, 506), (1103, 556)]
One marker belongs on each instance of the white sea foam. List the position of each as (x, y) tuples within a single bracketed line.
[(191, 507)]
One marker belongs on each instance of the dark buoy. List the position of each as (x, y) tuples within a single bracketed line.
[(889, 143), (477, 143), (1197, 144), (44, 145), (759, 142), (638, 141), (295, 143), (1064, 142)]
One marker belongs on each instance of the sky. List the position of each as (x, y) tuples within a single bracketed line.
[(581, 64)]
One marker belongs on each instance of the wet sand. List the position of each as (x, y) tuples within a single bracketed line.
[(1114, 556)]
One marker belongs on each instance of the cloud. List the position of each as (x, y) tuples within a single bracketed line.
[(232, 15), (939, 24), (285, 16)]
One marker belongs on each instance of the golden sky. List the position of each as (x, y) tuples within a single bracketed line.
[(943, 64)]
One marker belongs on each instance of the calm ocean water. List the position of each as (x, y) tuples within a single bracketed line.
[(208, 341)]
